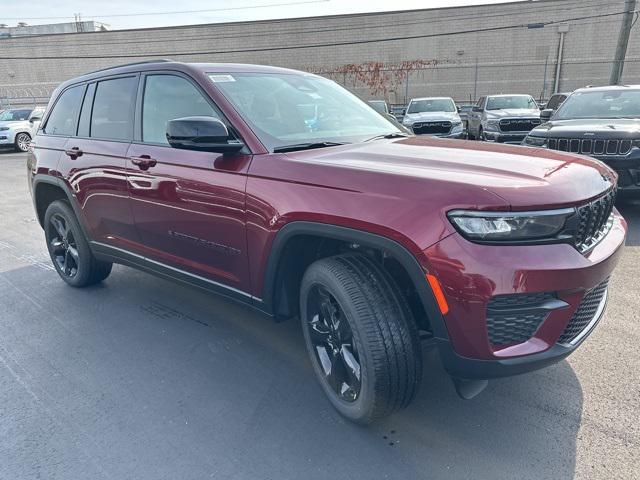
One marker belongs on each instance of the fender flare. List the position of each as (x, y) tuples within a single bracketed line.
[(41, 178), (397, 251)]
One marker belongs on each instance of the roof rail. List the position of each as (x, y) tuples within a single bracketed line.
[(143, 62)]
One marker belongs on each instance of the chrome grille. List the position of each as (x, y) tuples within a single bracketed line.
[(431, 127), (519, 124), (589, 146)]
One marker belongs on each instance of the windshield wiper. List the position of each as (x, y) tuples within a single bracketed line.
[(305, 146), (389, 135)]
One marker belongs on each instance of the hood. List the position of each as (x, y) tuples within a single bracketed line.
[(586, 128), (11, 123), (524, 178), (432, 117), (513, 112)]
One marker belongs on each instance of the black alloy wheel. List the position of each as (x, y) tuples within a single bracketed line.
[(69, 249), (333, 344), (63, 246), (361, 336)]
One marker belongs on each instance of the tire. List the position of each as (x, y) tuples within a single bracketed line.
[(69, 249), (22, 142), (469, 135), (374, 327), (480, 135)]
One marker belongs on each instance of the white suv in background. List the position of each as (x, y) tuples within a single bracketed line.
[(437, 116), (18, 126)]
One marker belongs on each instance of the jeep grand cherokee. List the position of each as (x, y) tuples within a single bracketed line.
[(212, 175), (602, 122)]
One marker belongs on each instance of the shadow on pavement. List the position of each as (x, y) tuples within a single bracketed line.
[(630, 209), (142, 378)]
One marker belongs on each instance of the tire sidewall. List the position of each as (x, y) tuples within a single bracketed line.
[(18, 144), (362, 408), (63, 209)]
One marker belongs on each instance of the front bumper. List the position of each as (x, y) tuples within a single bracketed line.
[(472, 275), (628, 170), (7, 137), (502, 137)]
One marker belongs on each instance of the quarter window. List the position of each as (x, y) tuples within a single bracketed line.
[(63, 118), (167, 97), (113, 108)]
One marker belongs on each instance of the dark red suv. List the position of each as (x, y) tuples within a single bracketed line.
[(282, 190)]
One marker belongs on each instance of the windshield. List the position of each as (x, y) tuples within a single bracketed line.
[(14, 115), (511, 101), (432, 105), (288, 109), (600, 104)]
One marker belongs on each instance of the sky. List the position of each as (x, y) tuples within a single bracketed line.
[(119, 14)]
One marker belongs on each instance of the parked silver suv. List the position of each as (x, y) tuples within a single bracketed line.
[(436, 116), (503, 118), (18, 126)]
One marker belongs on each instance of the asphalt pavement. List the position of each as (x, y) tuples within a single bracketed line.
[(141, 378)]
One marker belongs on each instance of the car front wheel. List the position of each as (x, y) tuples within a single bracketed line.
[(361, 337)]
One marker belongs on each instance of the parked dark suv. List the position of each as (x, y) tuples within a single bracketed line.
[(218, 176), (602, 122)]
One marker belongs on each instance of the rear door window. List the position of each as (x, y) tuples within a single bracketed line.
[(113, 108), (64, 116)]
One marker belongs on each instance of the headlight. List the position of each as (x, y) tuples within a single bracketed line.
[(535, 141), (457, 123), (510, 226), (493, 123), (4, 129)]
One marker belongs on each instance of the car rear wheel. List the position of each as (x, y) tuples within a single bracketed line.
[(69, 249), (361, 337), (22, 142)]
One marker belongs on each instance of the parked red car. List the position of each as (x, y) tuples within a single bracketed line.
[(282, 190)]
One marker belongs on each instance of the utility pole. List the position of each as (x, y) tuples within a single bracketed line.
[(563, 28), (623, 41)]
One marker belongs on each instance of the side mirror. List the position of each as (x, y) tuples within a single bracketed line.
[(476, 109), (458, 109), (546, 114), (201, 133), (35, 119), (404, 111)]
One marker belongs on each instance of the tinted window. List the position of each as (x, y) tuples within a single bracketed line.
[(14, 115), (555, 101), (616, 103), (432, 105), (167, 97), (514, 101), (63, 117), (85, 113), (112, 116)]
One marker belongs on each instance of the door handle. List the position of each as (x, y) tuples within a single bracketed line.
[(144, 162), (74, 152)]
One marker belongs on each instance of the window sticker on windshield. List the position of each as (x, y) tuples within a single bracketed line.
[(221, 78)]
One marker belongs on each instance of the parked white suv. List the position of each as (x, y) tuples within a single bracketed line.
[(436, 116), (18, 126)]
